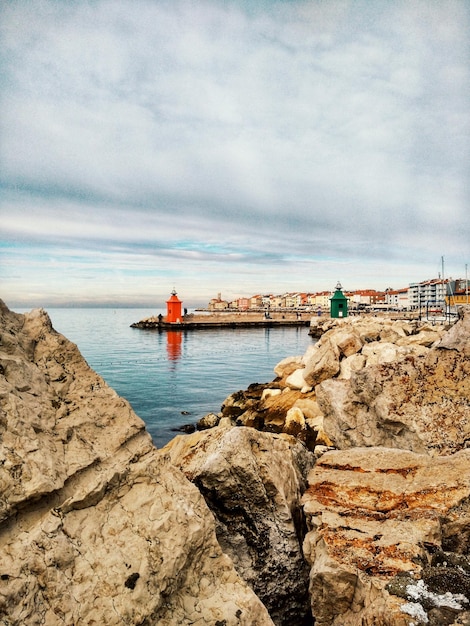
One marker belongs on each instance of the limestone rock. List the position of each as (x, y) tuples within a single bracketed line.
[(425, 337), (285, 367), (265, 408), (346, 348), (54, 410), (347, 340), (269, 393), (322, 364), (309, 407), (97, 526), (378, 352), (351, 364), (296, 379), (295, 421), (418, 403), (320, 325), (311, 349), (236, 404), (253, 482), (375, 514), (208, 421)]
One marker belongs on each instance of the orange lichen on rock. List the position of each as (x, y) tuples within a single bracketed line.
[(374, 513)]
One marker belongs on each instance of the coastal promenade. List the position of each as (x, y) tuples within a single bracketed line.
[(242, 319)]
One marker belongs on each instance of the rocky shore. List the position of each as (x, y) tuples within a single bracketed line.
[(338, 494)]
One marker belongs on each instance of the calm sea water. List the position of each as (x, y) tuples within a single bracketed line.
[(175, 378)]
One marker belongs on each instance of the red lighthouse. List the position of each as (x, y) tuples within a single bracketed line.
[(173, 308)]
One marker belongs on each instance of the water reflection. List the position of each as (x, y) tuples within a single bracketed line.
[(173, 344)]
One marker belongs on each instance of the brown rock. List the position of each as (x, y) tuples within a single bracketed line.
[(295, 422), (208, 421), (373, 514)]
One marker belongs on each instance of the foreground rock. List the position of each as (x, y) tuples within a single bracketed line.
[(416, 403), (389, 539), (97, 526), (253, 483)]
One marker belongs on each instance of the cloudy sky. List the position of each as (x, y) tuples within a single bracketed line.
[(234, 146)]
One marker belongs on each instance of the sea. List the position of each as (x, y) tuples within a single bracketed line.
[(172, 379)]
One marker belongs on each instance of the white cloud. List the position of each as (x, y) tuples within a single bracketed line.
[(267, 131)]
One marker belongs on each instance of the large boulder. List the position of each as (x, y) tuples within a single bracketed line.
[(97, 526), (323, 363), (54, 411), (378, 520), (253, 482), (288, 365), (296, 380), (417, 403), (347, 340)]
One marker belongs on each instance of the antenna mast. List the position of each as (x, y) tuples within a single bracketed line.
[(446, 306), (466, 281)]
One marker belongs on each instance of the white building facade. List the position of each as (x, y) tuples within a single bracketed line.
[(428, 293)]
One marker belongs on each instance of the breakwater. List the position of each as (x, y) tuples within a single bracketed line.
[(225, 321)]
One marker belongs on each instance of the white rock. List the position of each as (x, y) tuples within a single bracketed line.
[(269, 393), (296, 380)]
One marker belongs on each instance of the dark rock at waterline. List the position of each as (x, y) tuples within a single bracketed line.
[(184, 428)]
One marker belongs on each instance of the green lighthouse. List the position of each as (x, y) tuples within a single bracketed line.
[(338, 303)]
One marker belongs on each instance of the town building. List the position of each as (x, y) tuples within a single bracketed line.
[(430, 294), (256, 302), (217, 304), (458, 292), (368, 297), (292, 300), (243, 304), (321, 299), (397, 299), (278, 302)]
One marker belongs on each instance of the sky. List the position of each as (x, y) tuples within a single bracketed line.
[(230, 146)]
